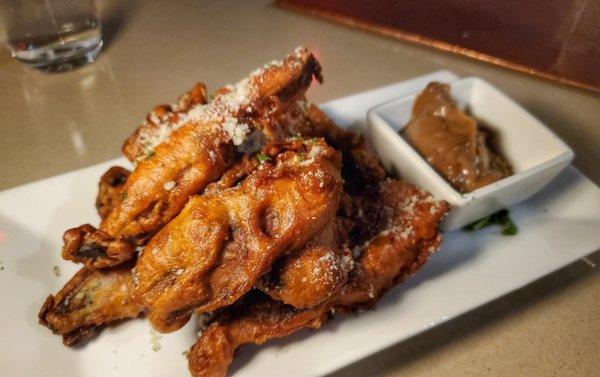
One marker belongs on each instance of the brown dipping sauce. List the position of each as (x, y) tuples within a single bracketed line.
[(452, 142)]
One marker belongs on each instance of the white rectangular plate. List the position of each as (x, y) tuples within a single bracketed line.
[(558, 226)]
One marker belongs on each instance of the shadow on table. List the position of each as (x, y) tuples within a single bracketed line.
[(114, 14)]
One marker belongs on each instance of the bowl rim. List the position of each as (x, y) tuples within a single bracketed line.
[(451, 194)]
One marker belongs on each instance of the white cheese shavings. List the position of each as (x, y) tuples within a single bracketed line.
[(314, 152), (170, 185), (155, 340), (222, 110), (237, 132)]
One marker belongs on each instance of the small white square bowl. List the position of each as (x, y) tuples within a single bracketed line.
[(535, 153)]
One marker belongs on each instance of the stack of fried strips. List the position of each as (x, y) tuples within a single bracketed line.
[(252, 207)]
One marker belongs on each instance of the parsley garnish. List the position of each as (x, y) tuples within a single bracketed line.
[(509, 228), (149, 155), (262, 158), (123, 195)]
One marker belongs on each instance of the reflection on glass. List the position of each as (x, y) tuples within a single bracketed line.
[(52, 35)]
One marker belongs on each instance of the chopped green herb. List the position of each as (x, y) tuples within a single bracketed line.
[(149, 155), (123, 195), (262, 158), (510, 228), (502, 218), (211, 97), (479, 224), (185, 353)]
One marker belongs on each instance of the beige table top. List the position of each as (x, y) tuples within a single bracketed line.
[(156, 50)]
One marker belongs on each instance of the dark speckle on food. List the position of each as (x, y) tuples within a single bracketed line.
[(91, 250)]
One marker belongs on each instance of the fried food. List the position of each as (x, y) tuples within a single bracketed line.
[(406, 239), (109, 189), (193, 153), (407, 234), (217, 248), (268, 243), (160, 122), (89, 301), (255, 319), (393, 229), (91, 315), (311, 275)]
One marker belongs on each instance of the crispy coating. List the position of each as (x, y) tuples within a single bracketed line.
[(403, 244), (273, 245), (196, 154), (217, 248), (234, 175), (407, 234), (95, 248), (255, 319), (163, 116), (109, 189), (91, 315), (90, 300), (310, 275)]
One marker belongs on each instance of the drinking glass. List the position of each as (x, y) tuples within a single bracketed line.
[(52, 35)]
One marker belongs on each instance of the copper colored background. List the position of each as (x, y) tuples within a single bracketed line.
[(557, 39)]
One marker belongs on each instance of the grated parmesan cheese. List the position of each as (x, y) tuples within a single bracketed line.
[(222, 110)]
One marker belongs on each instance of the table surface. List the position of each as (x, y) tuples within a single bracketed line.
[(156, 50)]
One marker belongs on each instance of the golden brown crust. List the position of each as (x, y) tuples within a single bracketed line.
[(109, 189), (95, 248), (198, 152), (254, 320), (312, 274), (219, 245), (402, 245), (90, 300), (392, 227), (314, 236), (135, 146), (406, 236)]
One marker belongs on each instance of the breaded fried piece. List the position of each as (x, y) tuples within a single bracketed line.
[(163, 119), (405, 241), (407, 234), (109, 189), (255, 319), (312, 274), (217, 248), (234, 175), (91, 315), (90, 300), (197, 152)]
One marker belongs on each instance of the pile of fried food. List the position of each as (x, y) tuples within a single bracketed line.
[(253, 207)]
